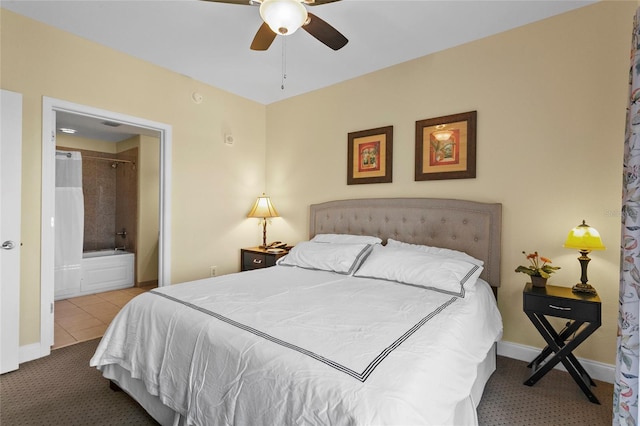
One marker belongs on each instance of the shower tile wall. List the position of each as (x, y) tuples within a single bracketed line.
[(104, 196), (127, 204)]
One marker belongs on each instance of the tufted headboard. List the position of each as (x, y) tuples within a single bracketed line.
[(468, 226)]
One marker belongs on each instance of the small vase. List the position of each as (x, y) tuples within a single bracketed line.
[(538, 281)]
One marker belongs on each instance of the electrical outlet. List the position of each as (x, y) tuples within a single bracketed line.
[(212, 271)]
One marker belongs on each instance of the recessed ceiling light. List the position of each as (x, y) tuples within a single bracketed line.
[(67, 130)]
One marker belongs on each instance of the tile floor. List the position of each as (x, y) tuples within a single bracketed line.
[(87, 317)]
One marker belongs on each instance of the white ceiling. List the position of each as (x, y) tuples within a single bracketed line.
[(210, 41), (98, 128)]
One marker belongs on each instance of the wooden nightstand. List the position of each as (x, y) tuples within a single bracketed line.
[(256, 258), (579, 308)]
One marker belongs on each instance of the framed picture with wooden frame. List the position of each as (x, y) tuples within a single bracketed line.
[(370, 156), (446, 147)]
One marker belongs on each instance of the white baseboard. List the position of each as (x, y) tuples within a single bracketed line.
[(29, 352), (597, 370)]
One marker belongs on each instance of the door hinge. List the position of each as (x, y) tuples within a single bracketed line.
[(51, 308)]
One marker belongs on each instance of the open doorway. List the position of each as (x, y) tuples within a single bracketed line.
[(52, 109), (106, 230)]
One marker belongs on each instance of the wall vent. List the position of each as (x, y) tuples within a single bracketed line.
[(111, 124)]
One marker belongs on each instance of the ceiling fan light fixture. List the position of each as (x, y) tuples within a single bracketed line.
[(284, 17)]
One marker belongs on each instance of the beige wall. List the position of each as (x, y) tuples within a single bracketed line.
[(550, 97), (77, 142), (213, 185), (148, 202), (551, 101)]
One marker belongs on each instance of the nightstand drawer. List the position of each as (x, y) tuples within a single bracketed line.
[(253, 261), (257, 258), (545, 302)]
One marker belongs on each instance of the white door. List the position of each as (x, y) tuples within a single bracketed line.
[(10, 187)]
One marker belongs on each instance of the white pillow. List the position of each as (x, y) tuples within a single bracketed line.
[(455, 254), (341, 258), (346, 239), (418, 268)]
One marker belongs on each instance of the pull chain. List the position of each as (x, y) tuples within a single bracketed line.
[(284, 61)]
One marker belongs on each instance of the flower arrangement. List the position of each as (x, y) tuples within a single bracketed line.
[(539, 266)]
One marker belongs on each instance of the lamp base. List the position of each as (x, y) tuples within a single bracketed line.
[(583, 288)]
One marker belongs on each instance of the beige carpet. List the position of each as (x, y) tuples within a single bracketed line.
[(62, 389), (555, 400)]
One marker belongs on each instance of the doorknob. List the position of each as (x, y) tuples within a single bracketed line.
[(8, 245)]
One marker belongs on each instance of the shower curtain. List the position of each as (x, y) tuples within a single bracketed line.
[(625, 388), (69, 223)]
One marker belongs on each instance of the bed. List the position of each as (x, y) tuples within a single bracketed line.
[(344, 330)]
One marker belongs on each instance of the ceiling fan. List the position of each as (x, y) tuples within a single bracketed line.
[(284, 17)]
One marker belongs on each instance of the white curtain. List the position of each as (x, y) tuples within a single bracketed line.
[(69, 222)]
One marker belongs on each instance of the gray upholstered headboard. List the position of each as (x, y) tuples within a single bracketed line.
[(468, 226)]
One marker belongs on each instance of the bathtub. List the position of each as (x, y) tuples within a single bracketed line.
[(100, 270), (104, 270)]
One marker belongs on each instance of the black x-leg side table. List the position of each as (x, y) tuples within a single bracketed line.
[(580, 309)]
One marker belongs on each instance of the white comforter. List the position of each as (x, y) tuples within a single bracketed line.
[(285, 346)]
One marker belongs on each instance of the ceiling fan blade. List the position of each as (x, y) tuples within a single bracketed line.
[(316, 2), (263, 39), (325, 32), (257, 2), (241, 2)]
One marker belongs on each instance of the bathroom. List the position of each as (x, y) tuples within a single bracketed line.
[(107, 220)]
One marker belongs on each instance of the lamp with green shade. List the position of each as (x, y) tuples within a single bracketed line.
[(263, 209), (585, 239)]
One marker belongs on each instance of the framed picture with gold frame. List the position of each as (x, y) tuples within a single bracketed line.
[(446, 147), (370, 156)]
